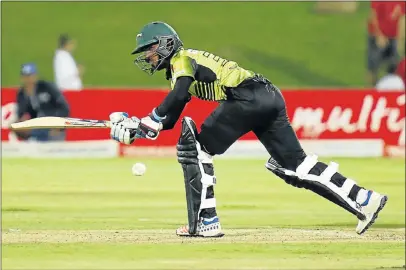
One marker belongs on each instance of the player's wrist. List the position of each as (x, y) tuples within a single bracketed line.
[(156, 117)]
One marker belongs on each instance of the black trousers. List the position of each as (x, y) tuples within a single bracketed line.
[(258, 107)]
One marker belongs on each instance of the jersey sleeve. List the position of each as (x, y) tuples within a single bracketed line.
[(183, 66)]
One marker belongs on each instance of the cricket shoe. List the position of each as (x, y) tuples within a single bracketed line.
[(207, 227), (373, 204)]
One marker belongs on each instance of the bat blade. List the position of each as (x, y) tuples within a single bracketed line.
[(60, 123)]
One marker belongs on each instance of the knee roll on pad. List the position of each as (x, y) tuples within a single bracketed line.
[(320, 184), (198, 173)]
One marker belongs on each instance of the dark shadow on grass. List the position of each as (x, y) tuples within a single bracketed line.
[(296, 70)]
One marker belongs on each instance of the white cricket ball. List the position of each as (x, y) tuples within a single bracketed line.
[(139, 169)]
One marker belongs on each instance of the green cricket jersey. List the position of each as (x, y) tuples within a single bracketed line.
[(211, 73)]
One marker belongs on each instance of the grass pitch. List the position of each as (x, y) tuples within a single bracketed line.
[(93, 214)]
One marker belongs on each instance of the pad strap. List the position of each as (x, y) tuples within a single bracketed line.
[(331, 169), (208, 203), (347, 186), (304, 168)]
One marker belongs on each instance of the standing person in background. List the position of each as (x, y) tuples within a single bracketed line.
[(383, 34), (68, 75), (38, 98)]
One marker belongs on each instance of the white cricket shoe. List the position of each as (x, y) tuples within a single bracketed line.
[(205, 228), (371, 207)]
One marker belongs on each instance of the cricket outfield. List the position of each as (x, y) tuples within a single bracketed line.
[(93, 214)]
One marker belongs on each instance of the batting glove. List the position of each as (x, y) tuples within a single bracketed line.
[(123, 128), (150, 126)]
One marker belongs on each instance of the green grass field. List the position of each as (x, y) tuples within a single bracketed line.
[(93, 214), (286, 41)]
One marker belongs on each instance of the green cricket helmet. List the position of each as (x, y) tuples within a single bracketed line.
[(155, 33)]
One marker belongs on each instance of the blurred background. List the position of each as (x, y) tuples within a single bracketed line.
[(295, 44)]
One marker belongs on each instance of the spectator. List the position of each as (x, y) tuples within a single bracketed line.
[(383, 34), (391, 81), (38, 98), (68, 75)]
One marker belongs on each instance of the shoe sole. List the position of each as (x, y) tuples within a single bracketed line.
[(375, 216), (201, 236)]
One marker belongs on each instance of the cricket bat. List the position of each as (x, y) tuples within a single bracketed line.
[(59, 123)]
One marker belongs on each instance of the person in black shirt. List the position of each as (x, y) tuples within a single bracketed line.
[(38, 98)]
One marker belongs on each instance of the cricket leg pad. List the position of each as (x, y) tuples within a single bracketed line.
[(320, 183), (198, 174)]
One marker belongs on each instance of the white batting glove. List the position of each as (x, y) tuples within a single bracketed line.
[(149, 128), (117, 117), (123, 129)]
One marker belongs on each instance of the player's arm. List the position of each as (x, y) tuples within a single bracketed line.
[(127, 130), (172, 106), (171, 118), (183, 73)]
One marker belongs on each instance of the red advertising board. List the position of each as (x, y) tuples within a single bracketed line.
[(98, 104), (315, 114)]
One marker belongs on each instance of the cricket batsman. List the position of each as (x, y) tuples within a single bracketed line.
[(247, 102)]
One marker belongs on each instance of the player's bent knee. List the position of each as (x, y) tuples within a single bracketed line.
[(213, 151), (198, 173), (211, 145)]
